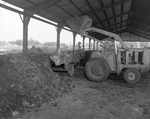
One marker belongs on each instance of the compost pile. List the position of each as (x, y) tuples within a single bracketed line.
[(27, 81)]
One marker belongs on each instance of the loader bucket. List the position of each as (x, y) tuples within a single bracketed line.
[(79, 24)]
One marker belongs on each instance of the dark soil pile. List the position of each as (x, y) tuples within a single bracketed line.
[(27, 81)]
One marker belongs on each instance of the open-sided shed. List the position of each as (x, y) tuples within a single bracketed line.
[(117, 16)]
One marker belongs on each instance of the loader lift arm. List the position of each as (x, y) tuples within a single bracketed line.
[(115, 36), (83, 24)]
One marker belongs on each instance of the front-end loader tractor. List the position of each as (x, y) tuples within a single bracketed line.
[(130, 63)]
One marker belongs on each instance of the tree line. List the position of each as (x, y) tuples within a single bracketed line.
[(31, 42)]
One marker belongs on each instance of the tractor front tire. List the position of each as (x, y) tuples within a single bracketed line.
[(97, 69), (131, 76)]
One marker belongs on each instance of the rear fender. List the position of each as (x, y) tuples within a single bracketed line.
[(96, 54), (108, 56)]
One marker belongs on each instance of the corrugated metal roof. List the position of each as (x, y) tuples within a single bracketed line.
[(113, 15)]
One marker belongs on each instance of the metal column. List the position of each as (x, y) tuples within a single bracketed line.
[(26, 20), (83, 42), (28, 13), (97, 45), (74, 41), (89, 44), (93, 44), (59, 28), (58, 37)]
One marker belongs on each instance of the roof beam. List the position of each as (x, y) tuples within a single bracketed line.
[(37, 18), (106, 7), (72, 1), (45, 10), (139, 22), (147, 0), (135, 27), (65, 10), (141, 13), (138, 26), (117, 23), (117, 32), (132, 7), (104, 12), (114, 14), (40, 6), (121, 31), (114, 29), (131, 20), (118, 27), (132, 29), (145, 22), (122, 10), (138, 34), (94, 13), (128, 20), (114, 17)]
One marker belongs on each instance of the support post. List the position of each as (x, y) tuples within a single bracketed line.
[(59, 28), (58, 37), (74, 41), (83, 42), (30, 11), (89, 44), (97, 45), (26, 20), (93, 44)]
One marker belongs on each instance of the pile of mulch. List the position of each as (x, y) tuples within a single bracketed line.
[(27, 81)]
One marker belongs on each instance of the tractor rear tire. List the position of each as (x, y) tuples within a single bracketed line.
[(131, 75), (97, 69)]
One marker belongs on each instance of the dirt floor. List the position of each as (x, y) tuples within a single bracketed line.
[(112, 99)]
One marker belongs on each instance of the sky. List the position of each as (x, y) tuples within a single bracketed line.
[(11, 29)]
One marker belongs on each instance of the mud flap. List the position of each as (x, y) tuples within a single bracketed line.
[(70, 69)]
